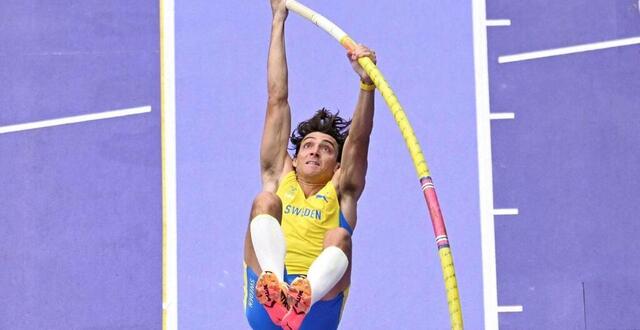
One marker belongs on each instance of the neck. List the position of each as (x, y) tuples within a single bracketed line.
[(310, 188)]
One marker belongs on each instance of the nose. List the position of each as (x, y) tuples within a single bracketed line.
[(314, 151)]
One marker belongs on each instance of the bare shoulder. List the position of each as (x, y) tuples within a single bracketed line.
[(271, 183), (335, 180)]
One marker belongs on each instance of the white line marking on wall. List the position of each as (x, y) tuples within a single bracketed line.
[(74, 119), (569, 50), (510, 309), (498, 22), (485, 172), (505, 212), (169, 181), (502, 115)]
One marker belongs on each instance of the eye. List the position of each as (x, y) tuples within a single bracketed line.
[(306, 145)]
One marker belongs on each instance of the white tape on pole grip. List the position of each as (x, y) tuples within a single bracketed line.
[(316, 18)]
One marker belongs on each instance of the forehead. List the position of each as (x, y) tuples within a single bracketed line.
[(319, 136)]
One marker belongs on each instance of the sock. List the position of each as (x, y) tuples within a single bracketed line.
[(268, 244), (326, 271)]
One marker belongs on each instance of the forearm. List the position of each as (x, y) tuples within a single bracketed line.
[(356, 148), (277, 74), (362, 121), (273, 150)]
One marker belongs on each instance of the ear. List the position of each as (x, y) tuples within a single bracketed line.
[(294, 162), (337, 167)]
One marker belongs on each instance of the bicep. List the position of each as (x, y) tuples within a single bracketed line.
[(353, 167)]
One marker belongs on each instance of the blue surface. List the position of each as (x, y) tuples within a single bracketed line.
[(545, 24), (612, 302), (81, 208), (81, 204), (567, 162)]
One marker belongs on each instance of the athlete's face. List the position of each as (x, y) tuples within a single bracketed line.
[(317, 157)]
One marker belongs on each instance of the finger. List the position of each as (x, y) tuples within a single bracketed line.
[(359, 49), (362, 52), (368, 54)]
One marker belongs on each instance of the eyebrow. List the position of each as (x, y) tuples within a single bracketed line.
[(323, 140)]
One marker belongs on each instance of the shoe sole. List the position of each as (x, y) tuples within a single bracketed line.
[(299, 295), (269, 293)]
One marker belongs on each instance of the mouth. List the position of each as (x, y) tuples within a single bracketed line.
[(312, 162)]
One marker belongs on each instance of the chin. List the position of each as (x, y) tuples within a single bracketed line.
[(316, 173)]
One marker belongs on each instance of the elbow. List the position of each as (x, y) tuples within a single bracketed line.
[(278, 95), (277, 101), (358, 144)]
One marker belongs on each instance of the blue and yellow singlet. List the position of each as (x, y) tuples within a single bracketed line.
[(305, 221)]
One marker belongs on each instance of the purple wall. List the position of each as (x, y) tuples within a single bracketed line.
[(425, 51), (568, 162), (80, 216)]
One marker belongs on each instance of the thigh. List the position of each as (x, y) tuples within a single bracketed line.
[(325, 314)]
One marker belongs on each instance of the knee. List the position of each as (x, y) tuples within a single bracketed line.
[(339, 237), (267, 203)]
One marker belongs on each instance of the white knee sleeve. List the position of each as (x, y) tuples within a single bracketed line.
[(326, 271), (268, 244)]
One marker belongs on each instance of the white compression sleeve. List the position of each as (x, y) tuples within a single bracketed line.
[(268, 244), (326, 271)]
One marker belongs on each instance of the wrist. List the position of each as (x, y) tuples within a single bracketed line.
[(367, 85), (279, 16)]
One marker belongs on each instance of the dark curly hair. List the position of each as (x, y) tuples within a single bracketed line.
[(324, 122)]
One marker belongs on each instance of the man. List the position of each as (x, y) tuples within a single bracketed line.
[(299, 236)]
